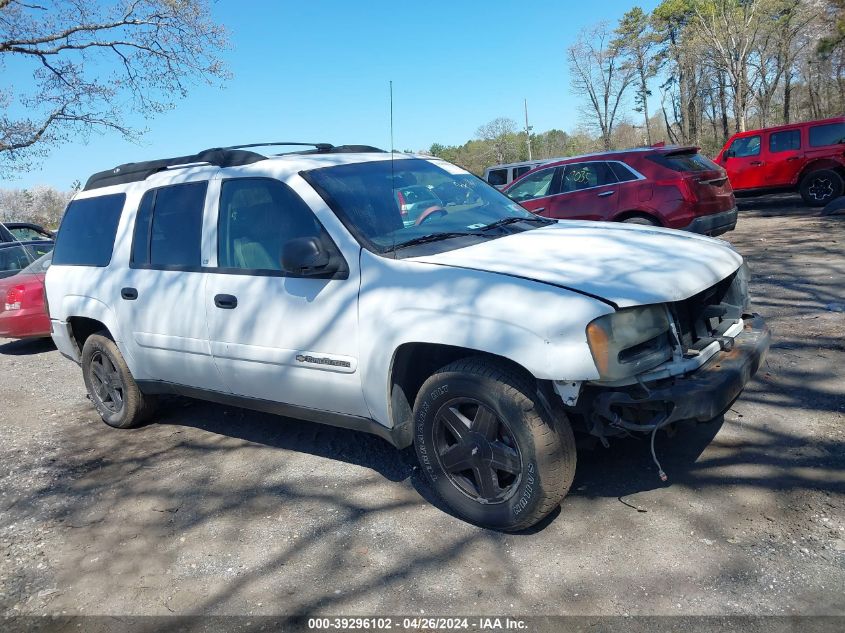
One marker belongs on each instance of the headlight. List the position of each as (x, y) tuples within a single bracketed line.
[(743, 276), (630, 341)]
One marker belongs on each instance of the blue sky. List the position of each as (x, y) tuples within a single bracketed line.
[(319, 71)]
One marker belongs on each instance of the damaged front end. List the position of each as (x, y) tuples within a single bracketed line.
[(687, 360)]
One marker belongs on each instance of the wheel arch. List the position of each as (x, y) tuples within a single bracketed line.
[(638, 213), (818, 165), (413, 363), (81, 328)]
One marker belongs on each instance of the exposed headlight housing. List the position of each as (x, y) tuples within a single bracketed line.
[(741, 281), (630, 341)]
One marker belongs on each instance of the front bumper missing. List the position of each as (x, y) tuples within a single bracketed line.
[(701, 395)]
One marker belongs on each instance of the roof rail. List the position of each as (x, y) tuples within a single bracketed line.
[(218, 156), (344, 149), (135, 172)]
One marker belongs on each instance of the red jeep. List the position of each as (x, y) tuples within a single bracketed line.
[(809, 157), (674, 187)]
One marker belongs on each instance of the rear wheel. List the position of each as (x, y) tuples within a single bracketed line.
[(489, 448), (110, 384), (820, 187), (641, 219)]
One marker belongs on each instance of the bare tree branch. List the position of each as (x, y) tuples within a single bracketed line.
[(89, 57)]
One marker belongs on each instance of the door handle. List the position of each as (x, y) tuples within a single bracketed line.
[(540, 210), (793, 158), (130, 294), (226, 302), (606, 193), (755, 163)]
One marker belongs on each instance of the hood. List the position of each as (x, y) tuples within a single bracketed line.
[(624, 264)]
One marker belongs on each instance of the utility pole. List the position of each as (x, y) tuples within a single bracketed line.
[(527, 129)]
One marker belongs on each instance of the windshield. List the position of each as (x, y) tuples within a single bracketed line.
[(372, 200)]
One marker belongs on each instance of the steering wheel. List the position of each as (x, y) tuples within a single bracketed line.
[(432, 212)]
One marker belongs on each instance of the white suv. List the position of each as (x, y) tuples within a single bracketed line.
[(482, 334)]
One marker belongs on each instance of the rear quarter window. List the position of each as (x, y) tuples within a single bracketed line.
[(86, 237), (621, 171), (829, 134)]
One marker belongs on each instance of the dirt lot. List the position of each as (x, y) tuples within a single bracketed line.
[(219, 510)]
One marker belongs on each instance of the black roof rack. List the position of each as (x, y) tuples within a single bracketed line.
[(219, 156)]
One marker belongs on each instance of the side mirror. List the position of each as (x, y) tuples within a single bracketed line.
[(305, 256), (729, 153)]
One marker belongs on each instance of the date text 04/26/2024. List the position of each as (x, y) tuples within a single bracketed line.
[(416, 623)]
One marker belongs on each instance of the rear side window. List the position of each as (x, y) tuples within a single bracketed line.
[(168, 227), (692, 161), (518, 171), (830, 134), (784, 141), (86, 237), (586, 176), (497, 177)]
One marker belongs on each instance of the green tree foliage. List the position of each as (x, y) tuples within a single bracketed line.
[(636, 41)]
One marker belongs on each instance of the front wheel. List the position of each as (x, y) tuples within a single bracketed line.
[(820, 187), (489, 447)]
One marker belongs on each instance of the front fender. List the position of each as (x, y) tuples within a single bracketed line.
[(539, 326)]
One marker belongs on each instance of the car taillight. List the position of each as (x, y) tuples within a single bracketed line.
[(14, 297), (403, 208), (688, 188)]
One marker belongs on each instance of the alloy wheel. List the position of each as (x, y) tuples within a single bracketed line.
[(821, 189), (477, 451), (107, 383)]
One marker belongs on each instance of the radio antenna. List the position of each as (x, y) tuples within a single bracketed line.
[(392, 176), (391, 116)]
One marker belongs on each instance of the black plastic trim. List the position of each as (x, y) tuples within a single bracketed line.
[(400, 437), (136, 172), (714, 224)]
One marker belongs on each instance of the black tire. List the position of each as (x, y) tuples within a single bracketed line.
[(110, 384), (506, 425), (640, 219), (820, 187)]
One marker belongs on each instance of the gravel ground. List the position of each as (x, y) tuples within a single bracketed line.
[(217, 510)]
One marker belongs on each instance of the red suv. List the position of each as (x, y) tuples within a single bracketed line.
[(675, 187), (809, 157)]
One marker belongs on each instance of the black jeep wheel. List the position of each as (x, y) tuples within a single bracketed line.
[(489, 447), (110, 384), (820, 187)]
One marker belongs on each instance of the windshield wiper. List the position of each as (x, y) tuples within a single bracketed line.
[(432, 237), (512, 220)]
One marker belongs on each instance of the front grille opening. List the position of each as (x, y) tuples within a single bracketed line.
[(705, 316)]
